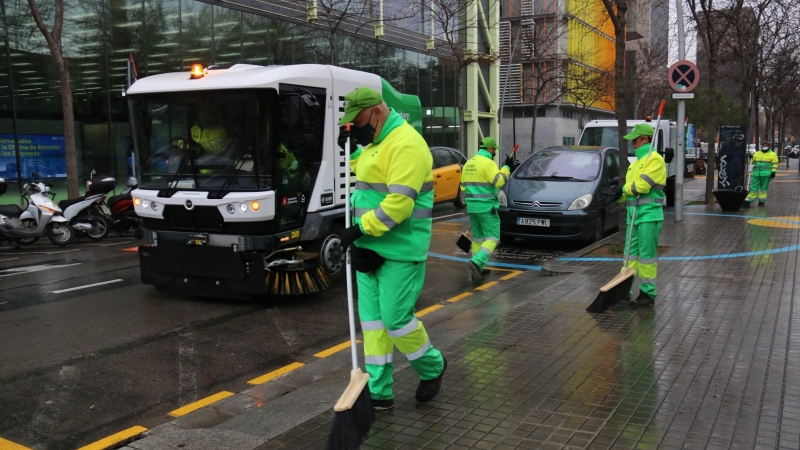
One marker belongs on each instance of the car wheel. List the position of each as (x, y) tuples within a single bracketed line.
[(506, 239), (599, 229), (460, 201)]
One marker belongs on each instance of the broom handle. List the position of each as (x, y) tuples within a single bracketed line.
[(348, 267)]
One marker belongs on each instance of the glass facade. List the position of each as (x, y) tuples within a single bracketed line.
[(167, 36)]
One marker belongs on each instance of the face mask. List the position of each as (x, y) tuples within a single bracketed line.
[(364, 135), (763, 149)]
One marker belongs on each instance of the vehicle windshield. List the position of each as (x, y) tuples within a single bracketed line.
[(604, 137), (203, 140), (560, 165)]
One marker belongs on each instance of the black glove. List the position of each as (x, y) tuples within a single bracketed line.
[(344, 133), (509, 161), (772, 175), (617, 193), (365, 260), (350, 234)]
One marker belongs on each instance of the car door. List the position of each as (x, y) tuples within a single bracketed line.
[(446, 175)]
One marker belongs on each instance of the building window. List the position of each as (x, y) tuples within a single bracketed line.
[(566, 113), (568, 140), (592, 116)]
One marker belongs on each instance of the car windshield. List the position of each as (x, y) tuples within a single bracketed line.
[(197, 140), (603, 136), (560, 165)]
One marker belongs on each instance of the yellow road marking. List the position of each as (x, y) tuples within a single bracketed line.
[(459, 297), (429, 309), (334, 349), (182, 411), (486, 286), (276, 373), (511, 275), (8, 445), (107, 442)]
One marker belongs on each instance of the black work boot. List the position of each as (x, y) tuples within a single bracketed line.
[(428, 389), (486, 272), (760, 203), (383, 405), (642, 301), (476, 271)]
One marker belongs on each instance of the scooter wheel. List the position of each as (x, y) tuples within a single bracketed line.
[(100, 228), (60, 233)]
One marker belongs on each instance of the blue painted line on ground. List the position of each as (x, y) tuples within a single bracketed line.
[(490, 263)]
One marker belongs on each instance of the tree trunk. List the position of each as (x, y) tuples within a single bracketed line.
[(462, 142), (533, 124), (69, 127), (620, 103), (712, 126)]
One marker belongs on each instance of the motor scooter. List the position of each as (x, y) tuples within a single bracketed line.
[(88, 213), (123, 216), (41, 217)]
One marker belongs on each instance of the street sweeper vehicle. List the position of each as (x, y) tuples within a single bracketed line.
[(242, 184)]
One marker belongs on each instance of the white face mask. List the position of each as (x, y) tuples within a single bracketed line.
[(763, 149)]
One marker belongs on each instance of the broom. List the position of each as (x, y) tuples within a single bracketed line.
[(620, 286), (464, 242), (353, 413)]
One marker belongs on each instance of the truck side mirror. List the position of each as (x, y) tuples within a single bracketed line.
[(669, 154)]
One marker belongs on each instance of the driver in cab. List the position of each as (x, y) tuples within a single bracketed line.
[(208, 133)]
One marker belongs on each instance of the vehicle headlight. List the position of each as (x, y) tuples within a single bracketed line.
[(255, 206), (137, 201), (502, 197), (243, 207), (581, 202), (144, 204), (154, 206), (231, 209)]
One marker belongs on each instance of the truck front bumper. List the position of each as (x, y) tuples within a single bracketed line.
[(205, 270)]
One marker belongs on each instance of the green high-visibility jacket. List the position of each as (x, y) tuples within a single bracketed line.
[(481, 180), (647, 178), (393, 199), (764, 163)]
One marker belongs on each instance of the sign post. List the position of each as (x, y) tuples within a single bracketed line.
[(683, 77)]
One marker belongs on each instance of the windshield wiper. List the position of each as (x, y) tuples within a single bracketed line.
[(549, 177), (172, 183)]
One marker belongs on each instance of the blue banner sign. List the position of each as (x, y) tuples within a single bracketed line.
[(43, 153)]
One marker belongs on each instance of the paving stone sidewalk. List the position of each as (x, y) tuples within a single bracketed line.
[(715, 364)]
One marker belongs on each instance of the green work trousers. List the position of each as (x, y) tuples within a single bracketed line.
[(386, 301), (757, 184), (485, 236), (644, 255)]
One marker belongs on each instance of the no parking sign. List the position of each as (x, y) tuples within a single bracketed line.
[(683, 76)]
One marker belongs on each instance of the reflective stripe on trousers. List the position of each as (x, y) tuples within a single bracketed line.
[(486, 232), (758, 185), (644, 255), (386, 301)]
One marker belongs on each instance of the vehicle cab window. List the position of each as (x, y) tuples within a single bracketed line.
[(612, 168)]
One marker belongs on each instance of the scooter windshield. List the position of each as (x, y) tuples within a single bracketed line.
[(201, 140)]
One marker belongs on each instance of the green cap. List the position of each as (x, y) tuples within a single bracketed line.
[(488, 142), (640, 129), (357, 100)]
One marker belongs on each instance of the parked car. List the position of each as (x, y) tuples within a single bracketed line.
[(562, 192), (447, 164)]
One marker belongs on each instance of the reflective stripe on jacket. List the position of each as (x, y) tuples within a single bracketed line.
[(481, 180), (764, 163), (647, 178), (393, 198)]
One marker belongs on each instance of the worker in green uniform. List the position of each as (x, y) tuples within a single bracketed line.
[(644, 191), (481, 180), (765, 165), (393, 206), (211, 136)]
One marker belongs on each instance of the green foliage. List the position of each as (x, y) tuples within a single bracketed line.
[(728, 112)]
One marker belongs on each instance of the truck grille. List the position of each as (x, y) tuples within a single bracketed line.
[(200, 218), (536, 204)]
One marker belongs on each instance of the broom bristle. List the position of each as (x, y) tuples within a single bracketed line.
[(609, 298), (351, 427)]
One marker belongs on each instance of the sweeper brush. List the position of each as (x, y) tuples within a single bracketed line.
[(299, 275)]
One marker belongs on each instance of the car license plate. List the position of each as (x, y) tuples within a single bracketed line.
[(105, 209), (533, 222)]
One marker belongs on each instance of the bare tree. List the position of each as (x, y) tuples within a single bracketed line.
[(617, 13), (53, 38), (452, 20), (589, 87), (649, 86), (713, 21)]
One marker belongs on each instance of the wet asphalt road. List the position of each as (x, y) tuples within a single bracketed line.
[(80, 364)]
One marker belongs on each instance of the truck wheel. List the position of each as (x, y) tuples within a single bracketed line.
[(331, 254)]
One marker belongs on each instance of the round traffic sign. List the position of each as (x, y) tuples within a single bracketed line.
[(683, 76)]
